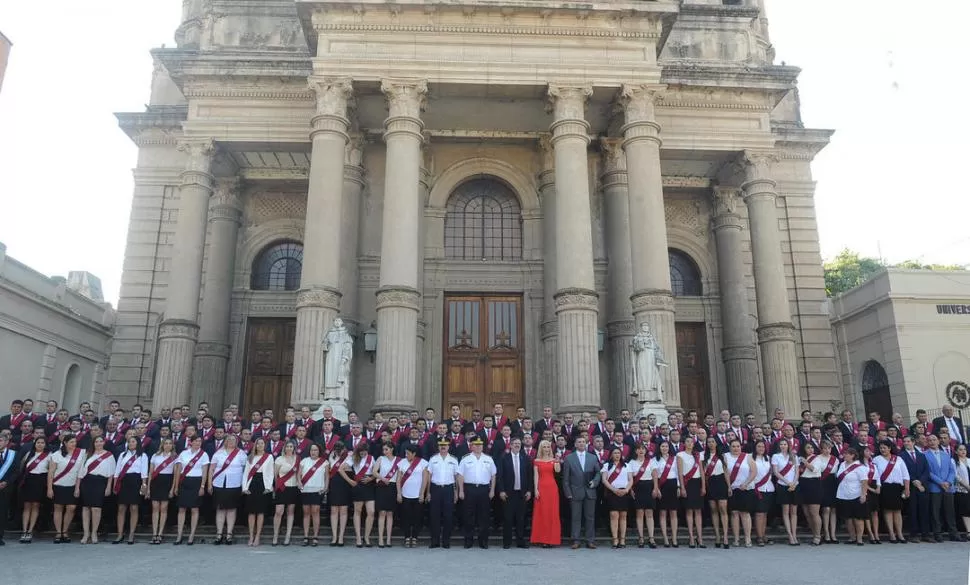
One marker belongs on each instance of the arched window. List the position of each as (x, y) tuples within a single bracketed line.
[(685, 278), (875, 390), (484, 222), (278, 267)]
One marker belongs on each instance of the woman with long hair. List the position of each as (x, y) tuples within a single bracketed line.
[(690, 476), (257, 488), (131, 485), (546, 520), (874, 487), (810, 489), (357, 471), (828, 463), (894, 476), (286, 491), (191, 476), (641, 471), (96, 479), (717, 492), (385, 475), (312, 480), (617, 481), (33, 485), (764, 491), (339, 494), (784, 468), (853, 478), (225, 487), (665, 490), (741, 470), (412, 483), (161, 486), (64, 484)]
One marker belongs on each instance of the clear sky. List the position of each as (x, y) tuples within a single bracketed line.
[(888, 75)]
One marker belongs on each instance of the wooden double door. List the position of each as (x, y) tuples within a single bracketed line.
[(692, 367), (269, 365), (483, 353)]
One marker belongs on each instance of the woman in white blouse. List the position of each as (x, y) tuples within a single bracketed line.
[(412, 483), (312, 477), (34, 489), (872, 500), (665, 490), (64, 483), (225, 487), (784, 468), (641, 472), (161, 486), (131, 484), (257, 487), (764, 491), (716, 492), (810, 489), (853, 478), (191, 477), (96, 479), (385, 475), (286, 491), (962, 486), (894, 475), (690, 476), (617, 481), (741, 471)]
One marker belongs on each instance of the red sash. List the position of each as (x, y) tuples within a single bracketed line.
[(161, 466), (252, 470), (337, 465), (191, 463), (281, 480), (410, 470), (643, 469), (709, 468), (693, 470), (616, 473), (124, 470), (207, 434), (872, 471), (737, 467), (291, 433), (889, 469), (363, 470), (146, 441), (331, 442), (16, 420), (92, 465), (761, 483), (393, 470), (849, 470), (226, 464), (302, 446), (313, 469), (784, 470), (33, 465), (666, 472), (70, 465)]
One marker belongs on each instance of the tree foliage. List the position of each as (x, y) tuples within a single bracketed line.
[(848, 270)]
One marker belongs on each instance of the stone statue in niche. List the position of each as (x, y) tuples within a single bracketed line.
[(647, 360), (339, 348)]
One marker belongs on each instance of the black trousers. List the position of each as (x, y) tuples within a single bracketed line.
[(476, 513), (411, 517), (919, 513), (5, 496), (941, 502), (514, 518), (442, 513)]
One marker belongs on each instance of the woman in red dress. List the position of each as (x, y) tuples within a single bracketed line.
[(546, 530)]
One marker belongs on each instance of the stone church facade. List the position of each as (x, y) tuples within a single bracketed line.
[(492, 194)]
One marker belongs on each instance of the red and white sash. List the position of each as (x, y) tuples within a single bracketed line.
[(16, 420), (70, 465), (305, 478), (393, 470), (290, 433), (667, 468), (146, 441), (784, 470), (94, 463), (337, 465), (226, 463), (849, 470), (252, 470), (889, 469), (693, 470), (737, 467), (123, 471), (643, 469), (164, 464), (365, 469), (761, 483), (302, 446), (191, 463), (833, 461), (709, 468), (410, 470), (331, 442), (37, 460), (616, 473), (282, 479)]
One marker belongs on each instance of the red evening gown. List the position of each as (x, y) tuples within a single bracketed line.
[(545, 514)]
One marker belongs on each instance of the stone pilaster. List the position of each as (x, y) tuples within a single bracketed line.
[(47, 364), (738, 351), (576, 298), (212, 351), (652, 300), (354, 184), (620, 325), (399, 298), (318, 300), (549, 326), (179, 330), (776, 333)]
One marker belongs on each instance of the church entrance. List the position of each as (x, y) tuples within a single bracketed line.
[(483, 354), (695, 393), (269, 365)]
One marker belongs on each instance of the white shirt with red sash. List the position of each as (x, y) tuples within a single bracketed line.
[(260, 464), (617, 476), (102, 464), (412, 478), (738, 469), (850, 478), (231, 475), (313, 474), (897, 472), (186, 457), (762, 478), (783, 465)]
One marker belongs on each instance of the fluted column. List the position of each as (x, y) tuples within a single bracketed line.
[(652, 300), (619, 325), (419, 350), (318, 299), (576, 298), (349, 231), (212, 351), (738, 351), (179, 329), (776, 333), (549, 328), (398, 298)]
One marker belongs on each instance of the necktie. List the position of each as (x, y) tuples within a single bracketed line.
[(515, 465)]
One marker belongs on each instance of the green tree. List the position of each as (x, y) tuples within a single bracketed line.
[(917, 265), (848, 270)]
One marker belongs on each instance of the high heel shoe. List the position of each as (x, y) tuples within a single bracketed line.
[(690, 543), (652, 544), (700, 544), (219, 540), (640, 542), (118, 540)]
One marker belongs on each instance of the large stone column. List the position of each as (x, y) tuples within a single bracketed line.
[(652, 300), (212, 351), (318, 299), (349, 230), (549, 328), (179, 329), (776, 333), (619, 325), (576, 298), (398, 298), (738, 350)]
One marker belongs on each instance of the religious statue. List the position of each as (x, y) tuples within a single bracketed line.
[(648, 358), (339, 346)]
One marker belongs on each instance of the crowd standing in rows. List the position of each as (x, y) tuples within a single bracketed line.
[(492, 468)]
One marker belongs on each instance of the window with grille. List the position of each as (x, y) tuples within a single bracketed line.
[(483, 222), (278, 267), (685, 278)]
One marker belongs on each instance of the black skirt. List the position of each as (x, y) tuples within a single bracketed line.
[(717, 488), (386, 497), (339, 494), (762, 502), (669, 495), (228, 498), (188, 496), (851, 509), (694, 499), (92, 491), (64, 495), (741, 501), (311, 498), (962, 503), (161, 487), (784, 497), (891, 497), (872, 502), (364, 492), (257, 500), (130, 494), (643, 495), (34, 488), (615, 503), (290, 496), (810, 491), (830, 486)]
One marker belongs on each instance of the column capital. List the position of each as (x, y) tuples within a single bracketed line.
[(178, 329), (405, 97), (568, 104), (614, 159), (624, 328), (638, 102), (318, 296), (739, 352), (757, 166), (398, 296), (547, 164), (212, 349), (549, 329), (725, 200), (652, 300), (776, 332), (200, 153), (576, 299), (224, 203), (333, 97)]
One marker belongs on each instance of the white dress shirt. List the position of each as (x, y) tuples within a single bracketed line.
[(898, 475), (763, 468), (779, 462), (443, 469), (850, 488), (186, 456), (60, 463), (955, 431), (266, 468), (477, 470), (411, 488), (104, 468), (232, 476), (159, 458), (140, 465), (622, 479), (318, 481), (743, 470)]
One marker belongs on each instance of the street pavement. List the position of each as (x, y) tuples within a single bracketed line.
[(107, 564)]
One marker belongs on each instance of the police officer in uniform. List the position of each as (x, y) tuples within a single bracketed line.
[(442, 470), (476, 487)]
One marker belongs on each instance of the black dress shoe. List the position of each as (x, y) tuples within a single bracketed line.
[(468, 545), (483, 545), (506, 546), (523, 545), (446, 545)]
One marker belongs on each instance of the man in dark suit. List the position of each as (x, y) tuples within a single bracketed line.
[(544, 423), (848, 426), (580, 478), (919, 500), (954, 424), (12, 421), (515, 490), (9, 468)]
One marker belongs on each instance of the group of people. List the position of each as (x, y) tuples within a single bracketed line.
[(494, 469)]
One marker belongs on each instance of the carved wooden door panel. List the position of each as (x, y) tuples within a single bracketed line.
[(269, 364), (692, 367)]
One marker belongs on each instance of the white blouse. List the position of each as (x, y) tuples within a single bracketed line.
[(365, 465), (282, 467), (411, 488), (266, 467), (850, 488), (384, 465), (647, 465), (898, 475), (159, 458), (186, 456), (42, 466), (686, 462), (963, 474), (104, 468), (779, 462), (140, 466), (718, 466), (231, 476), (316, 482), (622, 479), (763, 468), (60, 462), (872, 475), (743, 470), (658, 468)]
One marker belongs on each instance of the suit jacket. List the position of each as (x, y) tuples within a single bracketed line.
[(944, 471), (917, 467), (940, 423), (499, 447), (505, 482), (540, 425), (577, 483), (847, 431), (12, 472)]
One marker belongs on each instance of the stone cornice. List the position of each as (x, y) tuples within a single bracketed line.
[(157, 126), (461, 29), (182, 64), (800, 143), (768, 78), (720, 10)]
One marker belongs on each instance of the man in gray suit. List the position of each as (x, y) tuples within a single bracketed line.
[(580, 478)]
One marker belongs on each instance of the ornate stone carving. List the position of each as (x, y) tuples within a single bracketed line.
[(200, 154), (263, 207), (776, 332), (332, 95), (354, 151), (725, 200), (569, 102), (757, 164), (638, 101), (178, 329), (576, 299), (652, 300), (547, 155), (224, 203), (405, 97), (739, 352), (318, 296), (397, 296), (626, 328), (684, 214), (614, 159)]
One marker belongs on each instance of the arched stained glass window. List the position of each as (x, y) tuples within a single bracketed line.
[(483, 222), (685, 278), (278, 267)]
